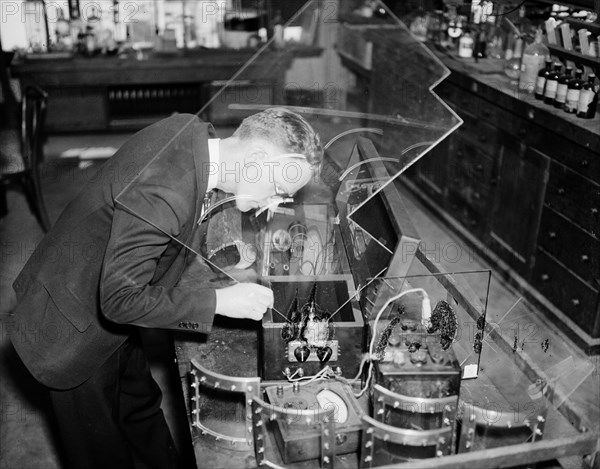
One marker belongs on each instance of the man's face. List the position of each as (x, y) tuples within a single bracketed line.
[(269, 174)]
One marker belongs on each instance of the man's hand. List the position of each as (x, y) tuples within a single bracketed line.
[(244, 300)]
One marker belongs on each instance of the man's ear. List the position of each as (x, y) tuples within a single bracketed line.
[(255, 154)]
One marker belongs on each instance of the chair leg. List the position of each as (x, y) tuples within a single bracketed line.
[(35, 200)]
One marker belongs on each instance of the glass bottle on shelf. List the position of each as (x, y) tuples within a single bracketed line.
[(278, 41), (573, 92), (588, 99), (534, 56), (552, 84), (512, 67), (540, 83), (465, 45), (562, 88)]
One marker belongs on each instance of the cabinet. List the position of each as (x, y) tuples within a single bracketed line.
[(524, 182)]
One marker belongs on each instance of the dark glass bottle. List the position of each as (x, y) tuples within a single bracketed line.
[(540, 83), (588, 99), (562, 88), (573, 92), (552, 84)]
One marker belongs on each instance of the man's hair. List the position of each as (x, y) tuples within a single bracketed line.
[(286, 129)]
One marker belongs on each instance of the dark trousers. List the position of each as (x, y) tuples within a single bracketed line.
[(114, 419)]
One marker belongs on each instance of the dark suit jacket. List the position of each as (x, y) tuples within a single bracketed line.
[(114, 257)]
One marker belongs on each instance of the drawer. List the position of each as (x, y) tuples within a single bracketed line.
[(469, 160), (572, 246), (471, 217), (469, 191), (464, 101), (568, 293), (575, 197), (482, 135)]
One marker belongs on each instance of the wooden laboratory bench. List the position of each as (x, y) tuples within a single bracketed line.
[(521, 181), (105, 93)]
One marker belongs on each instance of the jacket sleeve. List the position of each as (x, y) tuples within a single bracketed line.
[(136, 243)]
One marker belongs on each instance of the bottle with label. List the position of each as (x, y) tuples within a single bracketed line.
[(540, 83), (588, 99), (534, 56), (552, 84), (562, 87), (573, 92), (465, 45)]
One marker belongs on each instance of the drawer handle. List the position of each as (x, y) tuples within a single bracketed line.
[(584, 258), (560, 191), (545, 277), (552, 235), (575, 302), (594, 211)]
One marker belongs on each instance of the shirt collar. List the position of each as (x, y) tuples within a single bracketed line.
[(214, 158)]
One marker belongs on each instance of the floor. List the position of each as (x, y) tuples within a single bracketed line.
[(27, 436)]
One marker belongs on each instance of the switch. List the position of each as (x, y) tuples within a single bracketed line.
[(302, 353), (324, 354)]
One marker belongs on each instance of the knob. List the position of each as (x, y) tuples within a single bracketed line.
[(575, 302), (531, 114), (584, 258), (486, 113), (418, 358), (585, 163), (296, 387), (302, 353), (552, 235), (493, 181), (594, 211), (459, 153), (324, 354), (479, 167), (545, 277), (477, 196), (560, 191), (522, 132), (482, 138)]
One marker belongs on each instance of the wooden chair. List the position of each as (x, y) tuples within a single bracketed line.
[(21, 150)]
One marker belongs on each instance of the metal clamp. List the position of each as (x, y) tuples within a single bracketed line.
[(375, 431), (250, 387), (261, 412), (473, 416)]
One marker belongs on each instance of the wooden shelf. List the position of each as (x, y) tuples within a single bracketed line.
[(580, 59), (593, 28)]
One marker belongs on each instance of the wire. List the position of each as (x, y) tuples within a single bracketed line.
[(374, 333)]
